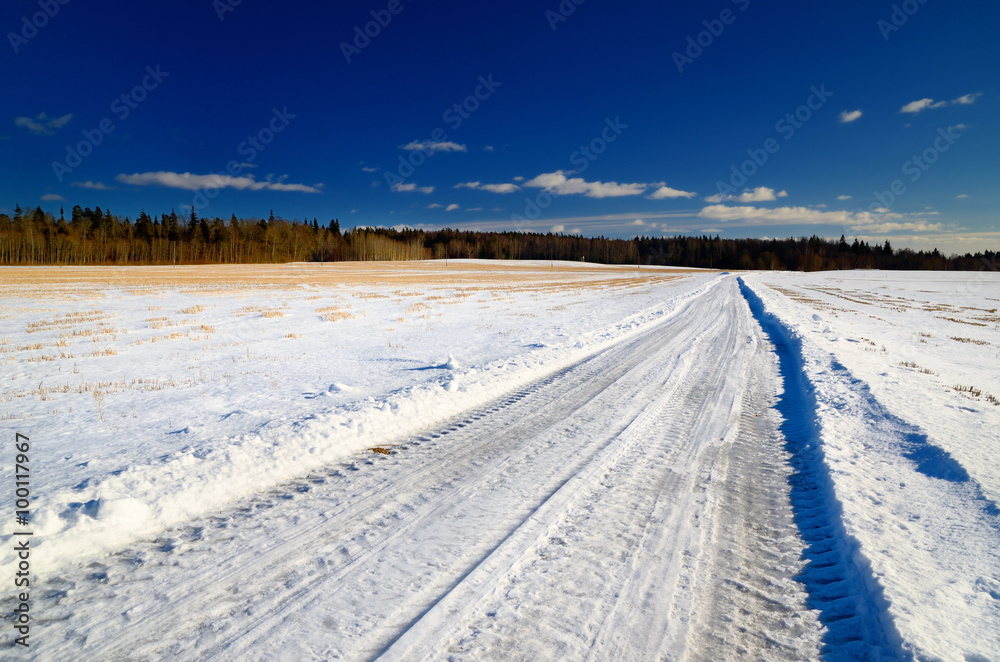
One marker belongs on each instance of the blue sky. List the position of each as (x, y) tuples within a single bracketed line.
[(737, 117)]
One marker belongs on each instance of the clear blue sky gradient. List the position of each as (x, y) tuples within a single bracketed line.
[(676, 95)]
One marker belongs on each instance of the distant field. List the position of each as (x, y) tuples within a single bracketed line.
[(271, 276)]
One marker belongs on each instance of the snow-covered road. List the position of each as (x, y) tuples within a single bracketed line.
[(632, 506)]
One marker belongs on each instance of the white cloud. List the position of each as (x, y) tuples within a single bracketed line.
[(488, 148), (452, 207), (666, 192), (576, 231), (638, 221), (967, 99), (921, 104), (519, 179), (848, 116), (962, 196), (43, 125), (474, 209), (918, 226), (428, 146), (97, 186), (400, 187), (434, 205), (557, 182), (759, 194), (52, 197), (958, 127), (191, 182), (784, 215), (844, 197), (882, 220), (369, 169), (492, 188), (557, 228)]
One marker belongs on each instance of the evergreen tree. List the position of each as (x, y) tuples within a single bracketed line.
[(171, 226)]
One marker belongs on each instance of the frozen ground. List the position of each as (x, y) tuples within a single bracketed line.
[(570, 462)]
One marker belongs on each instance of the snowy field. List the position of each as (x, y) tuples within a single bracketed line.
[(473, 460)]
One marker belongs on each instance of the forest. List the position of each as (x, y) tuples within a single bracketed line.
[(98, 237)]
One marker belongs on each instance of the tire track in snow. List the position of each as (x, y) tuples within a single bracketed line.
[(640, 604), (927, 527), (750, 603), (535, 531), (652, 613), (838, 578), (561, 483)]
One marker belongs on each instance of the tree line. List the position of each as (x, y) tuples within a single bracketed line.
[(99, 237)]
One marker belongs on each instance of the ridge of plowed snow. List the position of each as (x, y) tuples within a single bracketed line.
[(927, 529)]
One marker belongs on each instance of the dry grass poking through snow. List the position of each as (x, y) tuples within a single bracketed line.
[(78, 283), (969, 340), (334, 314), (260, 310), (911, 364), (70, 334)]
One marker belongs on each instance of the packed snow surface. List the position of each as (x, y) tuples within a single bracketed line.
[(471, 460)]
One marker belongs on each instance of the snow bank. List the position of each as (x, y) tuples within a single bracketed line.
[(919, 505), (855, 612)]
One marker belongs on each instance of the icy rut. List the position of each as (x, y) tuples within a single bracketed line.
[(633, 506), (840, 584)]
